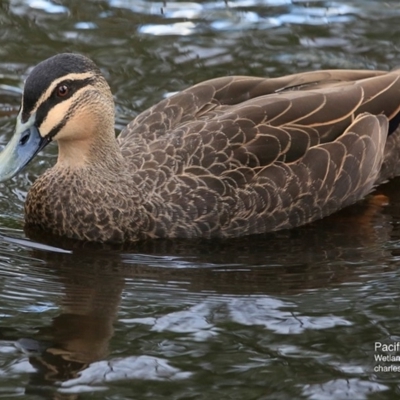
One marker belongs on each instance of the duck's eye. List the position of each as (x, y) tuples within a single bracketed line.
[(62, 90)]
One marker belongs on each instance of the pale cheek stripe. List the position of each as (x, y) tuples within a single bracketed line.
[(60, 112), (55, 116)]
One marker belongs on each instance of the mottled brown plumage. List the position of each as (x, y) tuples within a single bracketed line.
[(227, 157)]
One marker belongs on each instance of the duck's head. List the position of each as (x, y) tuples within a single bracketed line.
[(65, 99)]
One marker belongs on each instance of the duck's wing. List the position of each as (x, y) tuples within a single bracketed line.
[(326, 178), (267, 161)]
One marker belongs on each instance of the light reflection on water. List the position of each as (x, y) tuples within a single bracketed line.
[(228, 16), (287, 315)]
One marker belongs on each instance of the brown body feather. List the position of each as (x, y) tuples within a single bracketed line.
[(230, 157)]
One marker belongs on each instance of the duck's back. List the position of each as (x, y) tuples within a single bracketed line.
[(242, 155)]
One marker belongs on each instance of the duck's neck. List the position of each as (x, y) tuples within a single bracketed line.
[(93, 151)]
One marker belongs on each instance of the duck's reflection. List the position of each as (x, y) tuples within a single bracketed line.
[(81, 333), (327, 253)]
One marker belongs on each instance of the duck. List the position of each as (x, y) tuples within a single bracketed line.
[(227, 157)]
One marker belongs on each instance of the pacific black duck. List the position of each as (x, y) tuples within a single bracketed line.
[(227, 157)]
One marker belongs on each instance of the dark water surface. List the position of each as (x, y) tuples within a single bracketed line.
[(291, 315)]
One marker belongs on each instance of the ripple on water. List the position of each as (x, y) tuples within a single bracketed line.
[(117, 369), (233, 16), (46, 6), (343, 389)]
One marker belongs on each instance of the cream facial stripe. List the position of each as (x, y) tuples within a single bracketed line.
[(50, 89), (61, 111)]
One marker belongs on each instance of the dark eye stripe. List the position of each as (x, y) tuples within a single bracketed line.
[(76, 104), (53, 100)]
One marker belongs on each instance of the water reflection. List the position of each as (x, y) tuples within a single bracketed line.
[(185, 285), (225, 16), (72, 352)]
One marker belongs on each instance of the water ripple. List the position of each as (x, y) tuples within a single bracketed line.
[(189, 18), (343, 389), (127, 368), (278, 316)]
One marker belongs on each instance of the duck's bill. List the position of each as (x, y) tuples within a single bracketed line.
[(23, 146)]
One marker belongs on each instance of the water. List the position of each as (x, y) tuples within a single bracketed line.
[(291, 315)]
